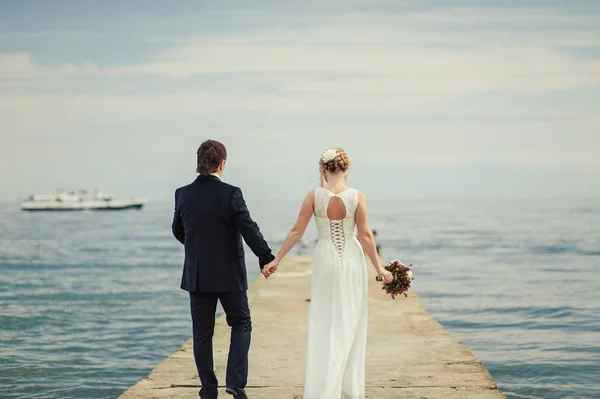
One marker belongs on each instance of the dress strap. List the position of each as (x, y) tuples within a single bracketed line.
[(350, 198), (321, 202)]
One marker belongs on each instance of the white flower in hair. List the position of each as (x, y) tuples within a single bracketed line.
[(329, 155)]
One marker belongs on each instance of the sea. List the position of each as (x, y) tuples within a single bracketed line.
[(90, 301)]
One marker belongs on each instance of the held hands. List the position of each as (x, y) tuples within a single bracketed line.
[(269, 269)]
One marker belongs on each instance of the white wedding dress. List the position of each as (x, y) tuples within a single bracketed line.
[(337, 325)]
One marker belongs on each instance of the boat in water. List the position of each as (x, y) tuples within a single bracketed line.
[(79, 201)]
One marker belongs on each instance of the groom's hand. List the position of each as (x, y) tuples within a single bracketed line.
[(269, 269)]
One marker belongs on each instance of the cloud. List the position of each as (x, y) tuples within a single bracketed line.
[(433, 87), (429, 53), (22, 66), (315, 79)]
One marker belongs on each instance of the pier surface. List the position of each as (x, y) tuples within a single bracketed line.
[(409, 354)]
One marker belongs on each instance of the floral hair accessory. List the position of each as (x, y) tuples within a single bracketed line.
[(329, 155)]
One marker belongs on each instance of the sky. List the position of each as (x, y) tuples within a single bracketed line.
[(430, 98)]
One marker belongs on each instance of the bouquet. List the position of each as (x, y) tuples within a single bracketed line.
[(403, 279)]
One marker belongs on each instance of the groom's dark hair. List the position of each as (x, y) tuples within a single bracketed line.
[(210, 155)]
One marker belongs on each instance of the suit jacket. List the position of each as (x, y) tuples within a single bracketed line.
[(210, 220)]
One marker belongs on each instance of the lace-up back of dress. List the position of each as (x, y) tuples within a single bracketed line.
[(334, 214)]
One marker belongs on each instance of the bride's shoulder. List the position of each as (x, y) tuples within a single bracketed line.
[(360, 195), (311, 194), (309, 201)]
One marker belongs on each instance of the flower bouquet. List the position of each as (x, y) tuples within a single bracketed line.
[(403, 279)]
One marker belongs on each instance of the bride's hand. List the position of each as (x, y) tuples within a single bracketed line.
[(269, 269), (387, 276)]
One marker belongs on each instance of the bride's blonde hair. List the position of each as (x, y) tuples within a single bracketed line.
[(339, 163)]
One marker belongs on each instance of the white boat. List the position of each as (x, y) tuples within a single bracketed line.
[(78, 201)]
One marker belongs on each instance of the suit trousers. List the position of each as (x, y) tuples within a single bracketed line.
[(203, 307)]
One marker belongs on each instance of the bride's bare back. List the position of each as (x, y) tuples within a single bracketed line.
[(336, 210)]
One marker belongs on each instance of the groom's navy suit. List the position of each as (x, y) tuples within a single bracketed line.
[(210, 220)]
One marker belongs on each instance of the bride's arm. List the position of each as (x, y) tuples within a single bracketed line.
[(366, 237), (306, 212)]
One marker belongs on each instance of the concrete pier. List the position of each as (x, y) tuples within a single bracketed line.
[(409, 354)]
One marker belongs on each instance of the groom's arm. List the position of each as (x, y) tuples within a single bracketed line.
[(249, 229), (177, 225)]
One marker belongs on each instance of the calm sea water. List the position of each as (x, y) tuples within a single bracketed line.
[(90, 302)]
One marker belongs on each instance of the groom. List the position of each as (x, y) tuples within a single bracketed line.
[(210, 220)]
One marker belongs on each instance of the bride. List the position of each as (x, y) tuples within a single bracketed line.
[(337, 321)]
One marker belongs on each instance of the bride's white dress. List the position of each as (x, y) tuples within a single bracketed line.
[(337, 325)]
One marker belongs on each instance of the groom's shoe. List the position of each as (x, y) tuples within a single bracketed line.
[(238, 393)]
